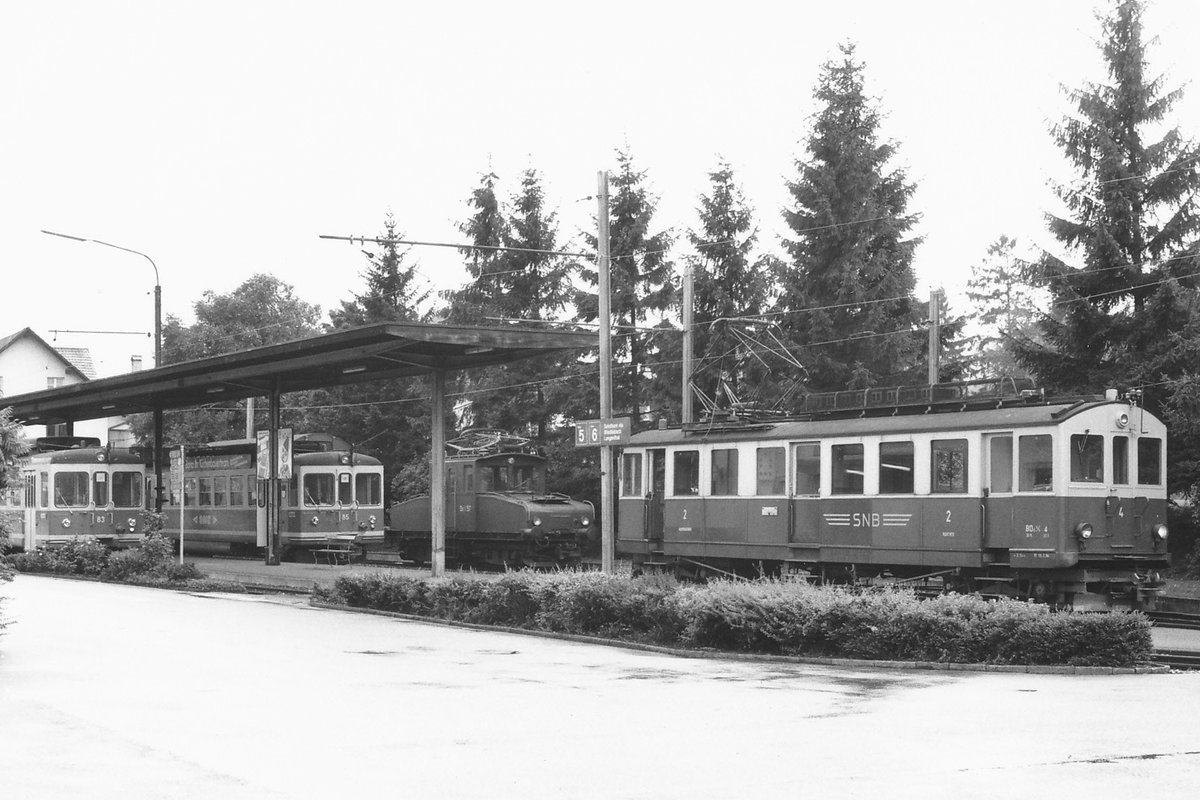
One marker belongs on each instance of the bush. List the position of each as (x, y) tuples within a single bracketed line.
[(765, 617)]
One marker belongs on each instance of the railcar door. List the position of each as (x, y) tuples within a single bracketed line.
[(657, 470), (997, 501), (29, 517)]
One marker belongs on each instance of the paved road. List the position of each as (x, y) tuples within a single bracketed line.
[(122, 692)]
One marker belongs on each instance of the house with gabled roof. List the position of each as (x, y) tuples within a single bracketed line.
[(28, 363)]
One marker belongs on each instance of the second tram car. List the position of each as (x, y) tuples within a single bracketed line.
[(335, 494), (73, 488), (1059, 501)]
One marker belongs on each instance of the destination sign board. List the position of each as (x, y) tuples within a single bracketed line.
[(600, 432)]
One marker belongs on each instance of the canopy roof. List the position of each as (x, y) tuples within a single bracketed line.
[(371, 353)]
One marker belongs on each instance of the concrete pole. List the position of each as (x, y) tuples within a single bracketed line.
[(437, 475), (688, 344), (935, 323), (607, 526)]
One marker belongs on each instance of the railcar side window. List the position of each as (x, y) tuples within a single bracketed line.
[(100, 489), (1036, 463), (221, 490), (189, 491), (468, 478), (687, 472), (127, 489), (948, 468), (1149, 461), (847, 468), (44, 494), (1087, 458), (772, 471), (206, 491), (1120, 459), (724, 471), (808, 468), (368, 488), (631, 475), (895, 467), (70, 489), (318, 489), (237, 490)]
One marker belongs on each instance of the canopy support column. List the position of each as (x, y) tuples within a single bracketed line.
[(437, 474)]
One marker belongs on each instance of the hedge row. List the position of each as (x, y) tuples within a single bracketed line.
[(150, 563), (763, 617)]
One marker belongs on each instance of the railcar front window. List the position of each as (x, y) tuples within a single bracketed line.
[(345, 489), (100, 489), (687, 472), (1120, 459), (949, 467), (1036, 463), (1087, 458), (847, 468), (1149, 458), (771, 475), (127, 489), (70, 489), (368, 488), (631, 475), (318, 489), (896, 468), (724, 471)]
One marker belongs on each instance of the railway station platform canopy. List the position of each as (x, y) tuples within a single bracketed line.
[(370, 353)]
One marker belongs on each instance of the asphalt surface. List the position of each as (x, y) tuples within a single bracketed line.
[(110, 691)]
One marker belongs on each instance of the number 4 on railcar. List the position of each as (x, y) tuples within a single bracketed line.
[(1058, 501)]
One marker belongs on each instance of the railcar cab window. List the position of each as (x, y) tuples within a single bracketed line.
[(71, 489), (808, 468), (948, 466), (516, 477), (687, 472), (345, 489), (1120, 459), (1149, 461), (771, 471), (368, 488), (895, 467), (318, 489), (724, 471), (631, 475), (127, 489), (1035, 463), (1087, 458), (846, 465), (100, 489)]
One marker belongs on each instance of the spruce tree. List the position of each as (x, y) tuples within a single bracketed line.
[(1006, 308), (1131, 226), (847, 294)]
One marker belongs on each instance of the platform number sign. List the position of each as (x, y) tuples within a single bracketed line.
[(598, 432)]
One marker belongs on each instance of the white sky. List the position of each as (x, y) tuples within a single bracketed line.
[(221, 138)]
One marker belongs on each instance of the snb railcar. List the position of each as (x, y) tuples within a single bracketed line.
[(1059, 501), (73, 488), (498, 512), (335, 494)]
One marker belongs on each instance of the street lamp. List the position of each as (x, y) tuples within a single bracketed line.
[(158, 414)]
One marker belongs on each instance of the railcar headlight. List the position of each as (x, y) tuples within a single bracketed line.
[(371, 520), (66, 523), (585, 521), (1122, 420), (1084, 530), (315, 520), (1160, 531), (536, 521), (131, 522)]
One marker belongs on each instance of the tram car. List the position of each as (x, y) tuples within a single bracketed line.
[(498, 512), (335, 494), (74, 488), (959, 486)]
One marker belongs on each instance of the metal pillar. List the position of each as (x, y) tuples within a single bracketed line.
[(607, 527), (437, 475), (273, 481)]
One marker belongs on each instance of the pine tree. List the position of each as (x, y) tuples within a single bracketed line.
[(487, 265), (1006, 308), (847, 295), (729, 285), (1132, 223), (392, 291)]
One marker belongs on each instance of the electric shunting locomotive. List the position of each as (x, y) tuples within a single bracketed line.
[(980, 487)]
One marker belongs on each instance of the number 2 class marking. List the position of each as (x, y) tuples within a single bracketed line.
[(947, 516), (685, 513)]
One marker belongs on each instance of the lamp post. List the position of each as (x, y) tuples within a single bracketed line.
[(158, 414)]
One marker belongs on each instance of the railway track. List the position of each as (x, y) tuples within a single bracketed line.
[(1175, 619), (1178, 659)]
